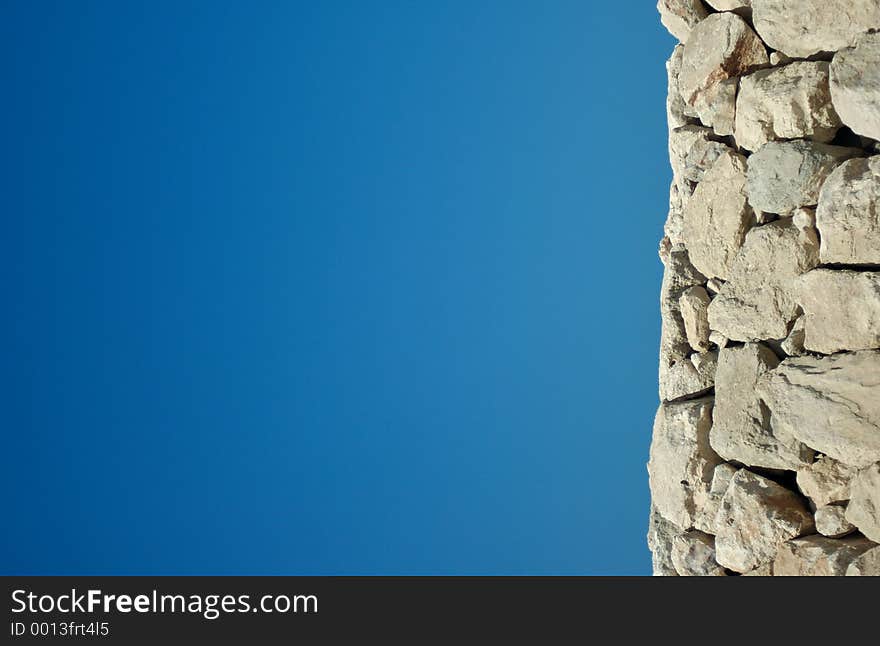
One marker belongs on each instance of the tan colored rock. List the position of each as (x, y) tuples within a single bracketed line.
[(793, 345), (831, 521), (693, 554), (702, 155), (841, 310), (855, 85), (718, 339), (678, 113), (786, 175), (729, 5), (818, 556), (718, 216), (719, 48), (863, 510), (763, 570), (706, 512), (741, 429), (689, 377), (866, 564), (681, 461), (848, 215), (760, 298), (826, 481), (680, 16), (801, 28), (694, 303), (756, 517), (661, 533), (778, 58), (789, 102), (831, 404)]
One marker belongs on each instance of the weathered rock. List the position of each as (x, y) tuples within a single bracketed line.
[(848, 215), (681, 461), (718, 216), (855, 85), (762, 570), (818, 556), (706, 513), (694, 303), (793, 345), (729, 5), (718, 339), (718, 49), (680, 16), (801, 28), (785, 175), (831, 404), (863, 510), (756, 517), (701, 156), (741, 428), (826, 481), (689, 377), (789, 102), (831, 521), (866, 564), (841, 310), (693, 554), (660, 536), (678, 113), (760, 299), (804, 218), (778, 58)]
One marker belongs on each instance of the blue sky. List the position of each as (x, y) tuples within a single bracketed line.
[(330, 287)]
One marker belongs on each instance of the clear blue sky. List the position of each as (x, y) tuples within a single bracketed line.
[(330, 287)]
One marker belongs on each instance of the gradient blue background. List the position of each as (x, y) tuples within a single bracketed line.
[(330, 287)]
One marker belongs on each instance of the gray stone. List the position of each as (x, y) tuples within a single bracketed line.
[(741, 429), (707, 512), (756, 517), (831, 521), (818, 556), (785, 175), (718, 216), (789, 102), (855, 85), (826, 481), (680, 16), (841, 310), (693, 554), (760, 298), (831, 404), (801, 28), (689, 377), (863, 510), (848, 215), (866, 564), (681, 461), (678, 113), (660, 536), (793, 345), (694, 303)]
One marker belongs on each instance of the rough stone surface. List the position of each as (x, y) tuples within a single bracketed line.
[(660, 536), (848, 215), (718, 49), (689, 377), (721, 477), (729, 5), (841, 310), (793, 345), (741, 430), (826, 481), (694, 304), (863, 510), (693, 554), (785, 175), (678, 113), (681, 461), (789, 102), (756, 517), (855, 85), (801, 28), (866, 564), (680, 16), (831, 521), (818, 556), (759, 300), (831, 404), (718, 216)]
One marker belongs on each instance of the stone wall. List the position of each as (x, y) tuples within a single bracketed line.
[(765, 458)]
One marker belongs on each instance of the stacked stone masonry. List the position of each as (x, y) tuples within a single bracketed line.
[(765, 458)]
